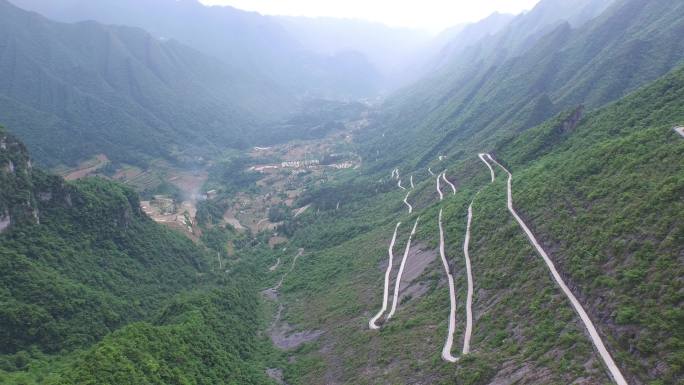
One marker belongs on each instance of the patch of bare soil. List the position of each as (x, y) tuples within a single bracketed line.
[(276, 374), (513, 374), (419, 258), (87, 168), (230, 218), (285, 338), (190, 183), (271, 293), (276, 240), (180, 217)]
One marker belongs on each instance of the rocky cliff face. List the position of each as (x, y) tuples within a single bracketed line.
[(28, 195), (16, 198), (23, 190)]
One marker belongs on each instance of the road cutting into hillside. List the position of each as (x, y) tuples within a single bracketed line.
[(272, 293), (446, 351), (469, 273), (400, 186), (588, 324), (491, 170), (439, 189), (275, 266), (372, 324), (410, 208), (453, 188), (397, 284), (412, 185)]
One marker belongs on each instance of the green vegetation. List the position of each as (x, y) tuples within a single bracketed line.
[(78, 90), (607, 197), (199, 338), (510, 82), (603, 194), (92, 291)]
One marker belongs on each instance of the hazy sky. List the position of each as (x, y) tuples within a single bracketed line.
[(433, 15)]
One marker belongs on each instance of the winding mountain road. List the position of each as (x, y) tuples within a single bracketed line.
[(446, 351), (275, 266), (588, 324), (294, 261), (372, 324), (453, 188), (439, 188), (400, 186), (397, 283), (469, 272), (491, 170), (410, 208), (430, 171), (412, 186)]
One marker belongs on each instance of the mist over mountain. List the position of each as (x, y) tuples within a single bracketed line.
[(76, 90), (204, 195), (487, 91), (388, 49), (244, 40)]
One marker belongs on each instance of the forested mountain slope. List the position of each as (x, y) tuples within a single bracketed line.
[(72, 91), (607, 195), (501, 36), (479, 97), (256, 44), (391, 50), (603, 195), (93, 291)]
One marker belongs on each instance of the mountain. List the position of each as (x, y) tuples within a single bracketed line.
[(520, 205), (453, 42), (72, 91), (388, 49), (602, 193), (476, 98), (84, 249), (90, 285), (605, 192), (256, 44)]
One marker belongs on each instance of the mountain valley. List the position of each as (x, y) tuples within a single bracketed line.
[(499, 204)]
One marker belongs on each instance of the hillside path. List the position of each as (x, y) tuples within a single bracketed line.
[(446, 350), (397, 283), (410, 208), (439, 188), (453, 188), (385, 295), (588, 324)]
